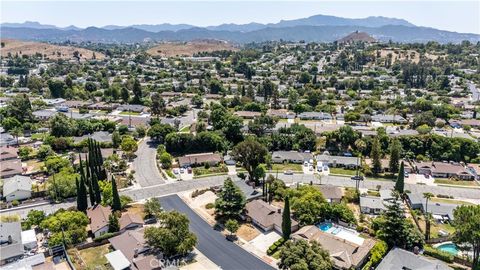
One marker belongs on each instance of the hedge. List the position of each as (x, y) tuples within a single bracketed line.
[(274, 247), (438, 254), (105, 236)]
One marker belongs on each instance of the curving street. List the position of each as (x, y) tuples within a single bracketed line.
[(146, 171)]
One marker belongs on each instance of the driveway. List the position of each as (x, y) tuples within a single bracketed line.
[(212, 243), (146, 171)]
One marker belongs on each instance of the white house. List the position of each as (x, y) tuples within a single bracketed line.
[(17, 188)]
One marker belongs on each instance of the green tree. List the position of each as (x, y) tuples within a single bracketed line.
[(303, 255), (308, 204), (113, 224), (396, 230), (173, 236), (286, 221), (158, 106), (82, 201), (400, 183), (395, 151), (137, 92), (129, 145), (70, 225), (427, 196), (152, 207), (230, 202), (376, 155), (116, 139), (166, 160), (467, 230), (62, 126), (34, 218), (158, 132), (232, 226), (250, 153), (62, 184), (116, 204)]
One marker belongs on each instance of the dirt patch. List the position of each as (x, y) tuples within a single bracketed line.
[(48, 51), (247, 232), (190, 48), (136, 209)]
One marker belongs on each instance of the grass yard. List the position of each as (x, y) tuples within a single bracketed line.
[(34, 165), (212, 170), (443, 200), (185, 129), (456, 182), (94, 257), (435, 227), (343, 171), (129, 113), (285, 167), (39, 136)]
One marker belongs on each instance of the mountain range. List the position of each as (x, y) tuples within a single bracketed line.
[(320, 28)]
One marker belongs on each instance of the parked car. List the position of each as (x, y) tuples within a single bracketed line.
[(189, 170), (288, 172), (182, 170), (176, 171)]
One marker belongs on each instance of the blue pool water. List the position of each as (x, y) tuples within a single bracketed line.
[(324, 226), (449, 247)]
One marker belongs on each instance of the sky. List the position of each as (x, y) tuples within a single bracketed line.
[(458, 16)]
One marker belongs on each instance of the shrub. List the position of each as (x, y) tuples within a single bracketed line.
[(210, 205), (105, 236), (438, 254), (15, 203), (275, 246)]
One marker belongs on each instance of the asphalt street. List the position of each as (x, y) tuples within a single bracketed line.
[(212, 243), (146, 171)]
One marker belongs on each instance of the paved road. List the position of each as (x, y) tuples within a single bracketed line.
[(212, 243), (475, 91), (146, 171)]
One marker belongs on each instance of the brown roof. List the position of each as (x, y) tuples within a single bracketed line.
[(199, 159), (128, 242), (8, 153), (128, 219), (344, 254), (443, 167), (331, 192), (10, 167), (98, 216), (265, 214)]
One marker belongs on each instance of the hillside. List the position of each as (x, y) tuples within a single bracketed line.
[(356, 37), (49, 51), (189, 48)]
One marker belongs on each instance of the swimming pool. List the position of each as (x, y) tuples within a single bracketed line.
[(325, 226), (448, 247)]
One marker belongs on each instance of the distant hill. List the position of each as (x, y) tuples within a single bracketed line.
[(320, 28), (49, 51), (190, 48), (356, 37)]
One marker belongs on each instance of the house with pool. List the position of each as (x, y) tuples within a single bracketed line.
[(347, 249)]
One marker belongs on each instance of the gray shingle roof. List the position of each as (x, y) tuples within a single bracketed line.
[(399, 259)]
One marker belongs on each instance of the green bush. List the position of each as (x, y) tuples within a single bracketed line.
[(15, 203), (438, 254), (275, 246), (105, 236), (210, 205)]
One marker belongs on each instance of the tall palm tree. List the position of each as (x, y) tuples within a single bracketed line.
[(427, 196)]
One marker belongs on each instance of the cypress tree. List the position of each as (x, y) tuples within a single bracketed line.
[(96, 189), (82, 203), (400, 184), (286, 221), (116, 204), (86, 181)]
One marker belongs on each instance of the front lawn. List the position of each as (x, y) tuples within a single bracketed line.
[(285, 167), (343, 171), (129, 113), (185, 129), (456, 182), (210, 170)]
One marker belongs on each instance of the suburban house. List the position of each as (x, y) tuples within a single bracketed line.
[(8, 153), (133, 247), (331, 193), (266, 216), (388, 118), (376, 205), (11, 247), (247, 114), (132, 108), (99, 136), (344, 254), (440, 211), (339, 161), (315, 116), (290, 157), (400, 259), (99, 215), (199, 159), (444, 170), (11, 167), (17, 188)]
